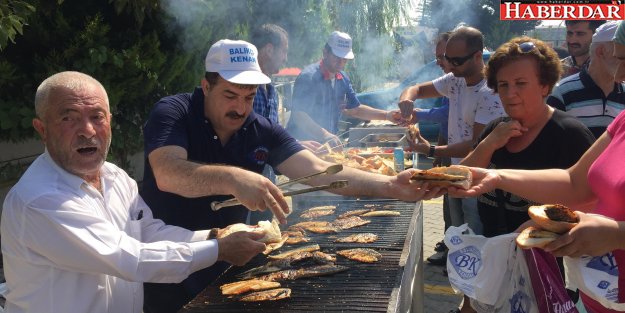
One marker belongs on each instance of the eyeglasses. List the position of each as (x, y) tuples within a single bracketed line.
[(458, 61), (527, 47)]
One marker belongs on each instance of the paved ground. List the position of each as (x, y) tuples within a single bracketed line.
[(438, 294)]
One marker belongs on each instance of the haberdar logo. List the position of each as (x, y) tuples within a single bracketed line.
[(562, 10)]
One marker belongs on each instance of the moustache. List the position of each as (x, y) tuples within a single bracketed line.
[(234, 115), (574, 45), (83, 142)]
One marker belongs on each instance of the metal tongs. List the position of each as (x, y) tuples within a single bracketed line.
[(333, 169)]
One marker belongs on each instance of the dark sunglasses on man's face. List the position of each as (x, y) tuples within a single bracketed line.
[(458, 61)]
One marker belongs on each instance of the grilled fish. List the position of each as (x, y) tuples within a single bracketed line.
[(319, 211), (286, 254), (244, 286), (318, 227), (312, 271), (350, 222), (361, 255), (354, 213), (270, 247), (295, 236), (382, 213), (359, 238), (267, 295), (286, 263)]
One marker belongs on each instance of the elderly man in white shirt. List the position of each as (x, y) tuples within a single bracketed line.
[(76, 235)]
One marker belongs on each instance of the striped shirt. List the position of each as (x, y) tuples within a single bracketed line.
[(581, 97)]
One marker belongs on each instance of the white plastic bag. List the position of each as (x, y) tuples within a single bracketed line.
[(477, 265), (597, 277), (491, 271)]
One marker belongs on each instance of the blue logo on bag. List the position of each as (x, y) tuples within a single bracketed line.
[(605, 263), (455, 240), (603, 284), (466, 261), (520, 303)]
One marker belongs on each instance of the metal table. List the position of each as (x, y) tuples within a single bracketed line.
[(394, 284)]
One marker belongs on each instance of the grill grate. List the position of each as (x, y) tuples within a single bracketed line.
[(362, 288)]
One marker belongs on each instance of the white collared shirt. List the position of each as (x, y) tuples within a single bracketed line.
[(68, 248)]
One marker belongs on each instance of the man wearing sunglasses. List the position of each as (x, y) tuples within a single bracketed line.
[(471, 106)]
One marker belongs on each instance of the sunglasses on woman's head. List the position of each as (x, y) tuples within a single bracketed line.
[(527, 46), (458, 61)]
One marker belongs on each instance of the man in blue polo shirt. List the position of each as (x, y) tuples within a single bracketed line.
[(323, 92), (209, 145)]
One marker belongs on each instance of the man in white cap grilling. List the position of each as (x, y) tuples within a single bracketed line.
[(323, 91), (209, 145), (592, 95)]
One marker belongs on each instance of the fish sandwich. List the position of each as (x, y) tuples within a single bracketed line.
[(445, 176)]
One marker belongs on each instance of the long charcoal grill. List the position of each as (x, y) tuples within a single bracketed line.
[(385, 286)]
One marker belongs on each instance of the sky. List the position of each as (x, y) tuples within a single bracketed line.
[(551, 22)]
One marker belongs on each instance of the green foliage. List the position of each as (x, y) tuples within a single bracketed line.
[(142, 50), (445, 15), (13, 18)]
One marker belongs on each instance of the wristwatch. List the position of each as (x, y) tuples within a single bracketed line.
[(213, 233), (431, 152)]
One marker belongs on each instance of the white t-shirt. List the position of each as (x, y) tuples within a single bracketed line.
[(467, 105), (68, 248)]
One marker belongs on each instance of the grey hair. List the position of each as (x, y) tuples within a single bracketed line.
[(68, 80), (595, 45)]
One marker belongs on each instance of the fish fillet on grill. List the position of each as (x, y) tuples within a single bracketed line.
[(354, 213), (287, 263), (318, 227), (361, 255), (318, 211), (288, 253), (382, 213), (267, 295), (359, 238), (295, 236), (350, 222), (244, 286), (312, 271)]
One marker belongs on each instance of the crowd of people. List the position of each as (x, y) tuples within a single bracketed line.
[(78, 235)]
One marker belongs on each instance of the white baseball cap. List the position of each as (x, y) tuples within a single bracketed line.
[(236, 61), (605, 32), (341, 45)]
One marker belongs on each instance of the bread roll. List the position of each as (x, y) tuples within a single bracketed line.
[(553, 217), (455, 175), (533, 237)]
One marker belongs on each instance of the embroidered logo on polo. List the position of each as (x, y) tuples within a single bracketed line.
[(520, 303), (466, 261), (605, 263), (260, 155)]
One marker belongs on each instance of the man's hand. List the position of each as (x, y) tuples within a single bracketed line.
[(402, 188), (484, 180), (394, 117), (420, 145), (594, 235), (502, 133), (258, 193), (240, 247)]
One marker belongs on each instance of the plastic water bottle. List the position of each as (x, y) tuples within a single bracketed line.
[(398, 154)]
